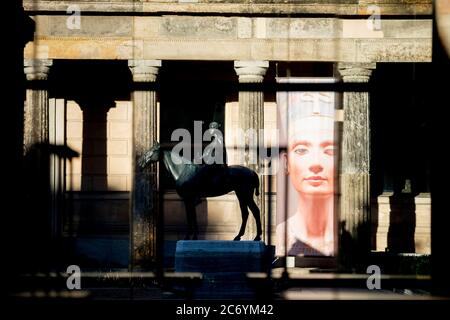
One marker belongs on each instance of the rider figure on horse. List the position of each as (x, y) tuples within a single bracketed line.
[(215, 153), (214, 158)]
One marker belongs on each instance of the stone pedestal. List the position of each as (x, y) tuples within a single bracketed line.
[(224, 265), (144, 196)]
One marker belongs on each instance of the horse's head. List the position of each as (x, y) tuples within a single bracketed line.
[(150, 156)]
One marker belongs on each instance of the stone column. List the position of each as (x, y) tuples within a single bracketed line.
[(35, 189), (251, 109), (144, 196), (355, 161), (36, 107)]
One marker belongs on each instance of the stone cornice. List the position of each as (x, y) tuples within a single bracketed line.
[(243, 8)]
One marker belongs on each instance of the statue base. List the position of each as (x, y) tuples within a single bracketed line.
[(224, 265)]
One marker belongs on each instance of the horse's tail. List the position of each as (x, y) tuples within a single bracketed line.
[(144, 160), (256, 184)]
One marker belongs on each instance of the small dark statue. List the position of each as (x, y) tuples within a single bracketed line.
[(193, 182)]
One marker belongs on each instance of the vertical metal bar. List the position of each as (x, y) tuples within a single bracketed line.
[(269, 227), (160, 229), (285, 273)]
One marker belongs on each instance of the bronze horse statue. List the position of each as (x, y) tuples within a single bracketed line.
[(193, 182)]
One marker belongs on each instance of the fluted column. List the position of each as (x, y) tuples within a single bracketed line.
[(36, 106), (251, 109), (355, 160), (35, 187), (144, 196)]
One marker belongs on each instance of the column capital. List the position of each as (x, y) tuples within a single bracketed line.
[(251, 71), (144, 70), (37, 69), (355, 72)]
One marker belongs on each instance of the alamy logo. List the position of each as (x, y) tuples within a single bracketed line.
[(374, 21), (74, 21), (74, 279), (214, 152), (374, 280)]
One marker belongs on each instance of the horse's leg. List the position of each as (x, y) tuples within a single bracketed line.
[(244, 214), (256, 213), (188, 206), (192, 220)]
